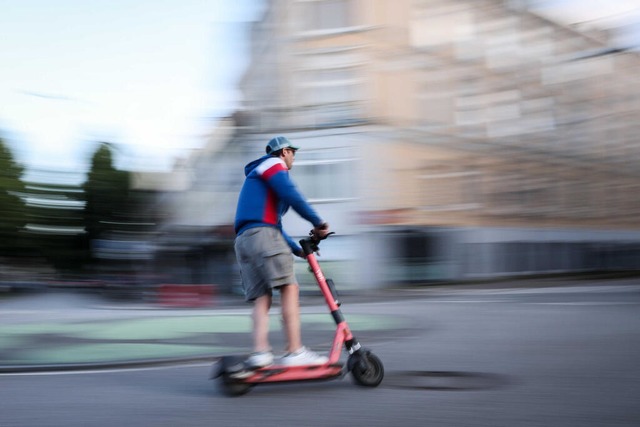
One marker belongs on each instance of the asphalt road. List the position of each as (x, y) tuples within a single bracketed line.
[(558, 356)]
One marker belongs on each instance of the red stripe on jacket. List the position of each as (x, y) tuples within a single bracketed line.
[(270, 215), (278, 167)]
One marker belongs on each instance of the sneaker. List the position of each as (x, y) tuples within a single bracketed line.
[(304, 356), (260, 359)]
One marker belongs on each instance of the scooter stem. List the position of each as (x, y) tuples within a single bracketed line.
[(322, 282), (343, 332)]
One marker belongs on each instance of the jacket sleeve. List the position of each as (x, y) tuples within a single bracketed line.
[(295, 248), (286, 190)]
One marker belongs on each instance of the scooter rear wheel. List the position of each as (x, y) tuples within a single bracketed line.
[(234, 388), (366, 368)]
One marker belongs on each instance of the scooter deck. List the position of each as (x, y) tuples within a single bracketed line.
[(234, 368)]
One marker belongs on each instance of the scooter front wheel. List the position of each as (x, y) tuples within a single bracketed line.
[(366, 368)]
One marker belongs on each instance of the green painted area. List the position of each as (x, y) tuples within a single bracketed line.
[(166, 328), (176, 327), (357, 322), (100, 353), (153, 328), (11, 341), (39, 328), (23, 342)]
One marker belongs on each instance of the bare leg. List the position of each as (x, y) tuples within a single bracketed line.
[(260, 318), (291, 316)]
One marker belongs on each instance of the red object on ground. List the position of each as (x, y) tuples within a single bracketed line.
[(173, 295)]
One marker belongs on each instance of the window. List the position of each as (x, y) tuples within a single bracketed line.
[(332, 97), (327, 14), (331, 86), (327, 176)]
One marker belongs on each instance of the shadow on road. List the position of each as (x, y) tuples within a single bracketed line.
[(444, 380)]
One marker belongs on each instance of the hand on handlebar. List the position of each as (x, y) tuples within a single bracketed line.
[(321, 231), (311, 243)]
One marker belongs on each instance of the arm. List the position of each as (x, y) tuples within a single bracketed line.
[(276, 175), (295, 248), (289, 193)]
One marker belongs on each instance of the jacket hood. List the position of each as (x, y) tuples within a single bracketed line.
[(254, 164)]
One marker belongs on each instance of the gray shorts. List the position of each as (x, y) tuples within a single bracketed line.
[(265, 260)]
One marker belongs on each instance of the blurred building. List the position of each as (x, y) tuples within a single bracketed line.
[(192, 243), (442, 139)]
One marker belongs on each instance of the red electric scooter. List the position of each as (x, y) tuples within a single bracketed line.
[(237, 378)]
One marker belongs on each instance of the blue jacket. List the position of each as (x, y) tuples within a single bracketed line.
[(266, 196)]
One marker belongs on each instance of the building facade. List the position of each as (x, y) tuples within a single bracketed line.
[(444, 139)]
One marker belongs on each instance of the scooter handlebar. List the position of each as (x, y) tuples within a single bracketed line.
[(311, 244)]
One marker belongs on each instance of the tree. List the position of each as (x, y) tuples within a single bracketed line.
[(55, 214), (106, 193), (12, 207)]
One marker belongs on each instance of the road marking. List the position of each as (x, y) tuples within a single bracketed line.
[(562, 289), (462, 301), (108, 370), (551, 289), (586, 303)]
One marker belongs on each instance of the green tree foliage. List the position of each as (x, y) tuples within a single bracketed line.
[(12, 207), (57, 228), (106, 193)]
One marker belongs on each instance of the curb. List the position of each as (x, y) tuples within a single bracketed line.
[(79, 367)]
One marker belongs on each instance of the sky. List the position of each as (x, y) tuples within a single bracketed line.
[(623, 15), (147, 75)]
